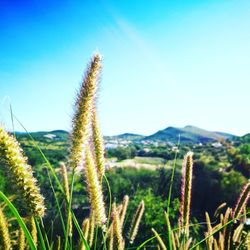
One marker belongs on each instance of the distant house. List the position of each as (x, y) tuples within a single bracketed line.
[(216, 144), (50, 136)]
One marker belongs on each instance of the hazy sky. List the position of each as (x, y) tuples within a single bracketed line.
[(166, 63)]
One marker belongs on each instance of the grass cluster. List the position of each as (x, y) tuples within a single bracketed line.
[(103, 228)]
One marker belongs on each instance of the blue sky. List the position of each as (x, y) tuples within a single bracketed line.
[(166, 63)]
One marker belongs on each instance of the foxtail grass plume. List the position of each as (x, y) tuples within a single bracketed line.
[(136, 221), (21, 239), (4, 232), (33, 230), (91, 229), (159, 239), (186, 189), (67, 193), (118, 239), (85, 231), (124, 209), (85, 103), (94, 190), (21, 174), (98, 146), (242, 200), (111, 238)]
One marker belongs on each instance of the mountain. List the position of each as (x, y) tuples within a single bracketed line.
[(188, 134)]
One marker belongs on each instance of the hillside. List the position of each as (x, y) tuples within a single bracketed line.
[(188, 134)]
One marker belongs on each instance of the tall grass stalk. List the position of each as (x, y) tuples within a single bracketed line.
[(186, 192), (172, 176), (242, 201), (84, 106), (4, 232)]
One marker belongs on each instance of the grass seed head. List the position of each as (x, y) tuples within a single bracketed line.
[(186, 191), (136, 222), (4, 232), (242, 200), (21, 174), (94, 190), (84, 106)]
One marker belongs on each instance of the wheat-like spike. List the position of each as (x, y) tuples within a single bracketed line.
[(64, 174), (216, 247), (219, 208), (91, 229), (187, 244), (94, 190), (242, 200), (136, 221), (67, 193), (5, 241), (173, 241), (237, 233), (124, 209), (21, 173), (159, 239), (111, 238), (186, 191), (84, 105), (33, 230), (21, 239), (117, 228), (85, 231), (210, 240), (221, 241), (98, 146)]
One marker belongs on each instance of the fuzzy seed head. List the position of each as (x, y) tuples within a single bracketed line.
[(33, 230), (85, 231), (124, 209), (94, 190), (98, 146), (136, 221), (242, 200), (85, 104), (118, 239), (21, 240), (66, 190), (186, 191), (21, 174), (4, 232)]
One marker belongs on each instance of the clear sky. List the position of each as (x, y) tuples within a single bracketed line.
[(166, 63)]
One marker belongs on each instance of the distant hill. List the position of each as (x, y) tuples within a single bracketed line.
[(44, 136), (189, 134)]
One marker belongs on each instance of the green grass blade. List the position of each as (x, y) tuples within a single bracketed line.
[(69, 209), (110, 198), (145, 242), (169, 232), (40, 236), (19, 220), (58, 206), (79, 231), (172, 176)]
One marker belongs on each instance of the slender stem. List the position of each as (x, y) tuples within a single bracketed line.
[(172, 176), (69, 210)]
